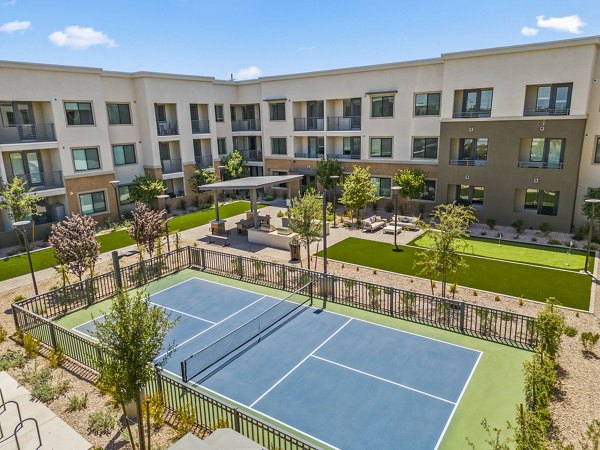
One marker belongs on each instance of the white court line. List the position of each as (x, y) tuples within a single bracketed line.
[(239, 288), (457, 402), (181, 312), (384, 380), (212, 326), (300, 363)]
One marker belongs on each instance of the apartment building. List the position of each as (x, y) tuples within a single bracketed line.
[(512, 131)]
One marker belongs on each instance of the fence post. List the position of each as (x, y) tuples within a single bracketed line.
[(392, 290), (202, 259), (52, 336), (89, 295), (236, 419), (240, 268), (117, 269), (158, 380), (283, 276), (462, 317), (189, 256)]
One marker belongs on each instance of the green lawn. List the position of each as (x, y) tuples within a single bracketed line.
[(520, 252), (42, 259), (571, 289)]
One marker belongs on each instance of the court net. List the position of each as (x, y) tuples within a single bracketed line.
[(250, 332)]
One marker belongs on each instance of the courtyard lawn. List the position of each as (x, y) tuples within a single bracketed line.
[(571, 289), (42, 259), (538, 255)]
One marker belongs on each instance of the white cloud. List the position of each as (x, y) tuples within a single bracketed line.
[(80, 38), (570, 24), (247, 73), (17, 25), (528, 31)]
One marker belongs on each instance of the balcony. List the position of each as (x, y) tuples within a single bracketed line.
[(204, 161), (547, 112), (350, 123), (468, 162), (473, 114), (245, 125), (309, 124), (307, 155), (200, 126), (540, 165), (39, 132), (42, 181), (252, 155), (171, 165), (167, 128), (343, 156)]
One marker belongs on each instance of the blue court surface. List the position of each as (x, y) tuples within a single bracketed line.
[(347, 383)]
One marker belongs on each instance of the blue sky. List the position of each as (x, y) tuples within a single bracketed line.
[(250, 38)]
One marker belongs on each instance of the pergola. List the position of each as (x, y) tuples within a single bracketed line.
[(251, 184)]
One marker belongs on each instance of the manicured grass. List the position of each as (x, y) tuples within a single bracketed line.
[(42, 259), (538, 255), (571, 289)]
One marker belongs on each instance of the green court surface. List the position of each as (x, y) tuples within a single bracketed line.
[(538, 255), (493, 392), (570, 288)]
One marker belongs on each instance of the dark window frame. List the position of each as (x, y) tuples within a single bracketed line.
[(277, 111), (597, 152), (221, 146), (471, 198), (473, 147), (71, 119), (119, 113), (378, 112), (219, 117), (546, 149), (425, 142), (552, 100), (537, 204), (126, 202), (276, 148), (381, 155), (132, 146), (381, 191), (427, 111), (91, 194), (86, 150), (428, 194), (478, 93)]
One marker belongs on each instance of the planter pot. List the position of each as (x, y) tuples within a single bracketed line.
[(295, 251)]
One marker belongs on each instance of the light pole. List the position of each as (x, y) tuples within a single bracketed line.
[(165, 197), (593, 202), (324, 199), (396, 190), (21, 227), (335, 179), (115, 185)]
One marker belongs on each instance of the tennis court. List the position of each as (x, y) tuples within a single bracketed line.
[(345, 382)]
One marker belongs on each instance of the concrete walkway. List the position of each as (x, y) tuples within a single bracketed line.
[(55, 433)]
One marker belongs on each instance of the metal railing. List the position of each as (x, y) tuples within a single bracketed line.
[(540, 165), (475, 114), (547, 112), (171, 165), (309, 124), (245, 125), (468, 162), (39, 132), (167, 128), (252, 155), (204, 161), (343, 156), (200, 126), (43, 180), (343, 123), (308, 155)]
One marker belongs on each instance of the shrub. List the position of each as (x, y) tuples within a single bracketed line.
[(570, 331), (554, 242), (453, 288), (157, 409), (221, 423), (534, 239), (19, 297), (279, 214), (483, 233), (497, 298), (374, 271), (475, 293), (3, 333), (546, 228), (184, 420), (196, 202), (77, 402), (580, 232), (12, 359), (48, 391), (57, 358), (550, 325), (31, 345), (389, 207), (589, 341), (519, 226), (101, 422), (491, 223), (521, 301), (182, 204)]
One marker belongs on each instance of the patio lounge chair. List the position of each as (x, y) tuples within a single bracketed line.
[(373, 223)]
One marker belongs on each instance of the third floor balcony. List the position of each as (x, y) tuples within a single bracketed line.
[(245, 125), (39, 132), (309, 124)]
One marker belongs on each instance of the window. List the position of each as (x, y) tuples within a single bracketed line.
[(277, 111), (383, 185), (381, 147), (161, 113), (542, 202), (316, 146), (472, 152), (427, 104), (219, 116), (124, 154), (86, 159), (425, 148), (79, 113), (118, 114), (221, 146), (597, 152), (429, 192), (476, 103), (546, 153), (470, 195), (242, 143), (278, 173), (382, 106), (124, 196), (279, 146), (93, 202), (554, 99), (352, 147)]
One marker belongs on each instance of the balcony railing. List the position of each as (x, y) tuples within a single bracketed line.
[(252, 155), (307, 155), (39, 132), (471, 114), (171, 165), (468, 162), (339, 123), (204, 161), (245, 125), (200, 126), (309, 124), (167, 128), (343, 156), (547, 112), (43, 180), (540, 165)]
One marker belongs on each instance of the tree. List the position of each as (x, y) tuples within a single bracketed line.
[(412, 182), (19, 200), (550, 325), (145, 189), (146, 227), (75, 244), (305, 214), (326, 168), (453, 222), (200, 178), (233, 166), (130, 338), (358, 190)]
